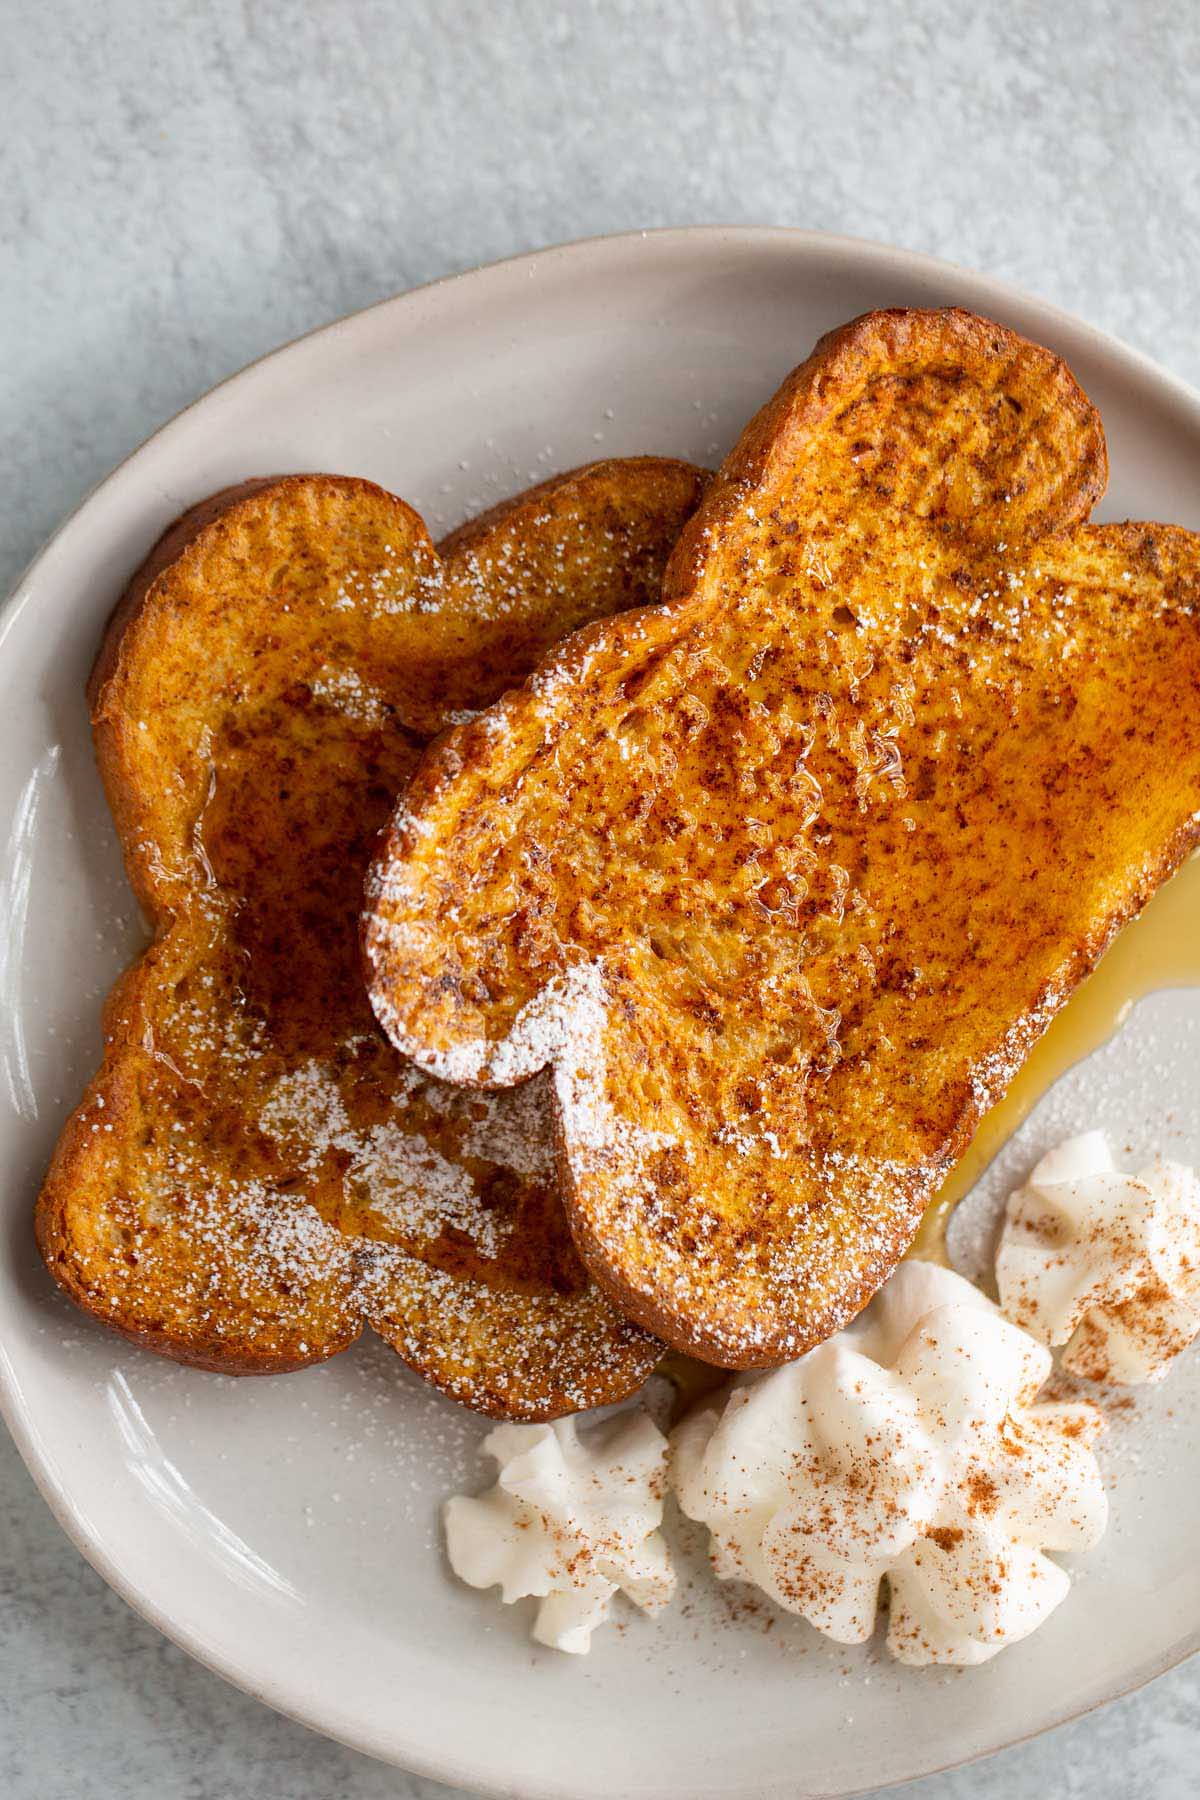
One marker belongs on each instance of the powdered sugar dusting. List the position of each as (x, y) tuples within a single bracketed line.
[(347, 693), (393, 1168), (305, 1112), (419, 1191)]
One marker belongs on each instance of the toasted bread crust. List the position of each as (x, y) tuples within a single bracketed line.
[(822, 843), (226, 1193)]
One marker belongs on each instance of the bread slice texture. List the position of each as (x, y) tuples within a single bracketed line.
[(254, 1173), (782, 879)]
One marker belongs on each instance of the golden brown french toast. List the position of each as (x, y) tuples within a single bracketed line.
[(254, 1173), (783, 878)]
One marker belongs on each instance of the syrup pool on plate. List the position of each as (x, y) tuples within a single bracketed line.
[(1160, 949)]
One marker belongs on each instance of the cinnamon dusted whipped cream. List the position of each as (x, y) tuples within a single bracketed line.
[(908, 1447), (572, 1518), (1103, 1262)]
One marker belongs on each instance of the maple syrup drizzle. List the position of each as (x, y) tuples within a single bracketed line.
[(1160, 949)]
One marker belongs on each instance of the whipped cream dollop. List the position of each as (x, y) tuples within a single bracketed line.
[(572, 1518), (1103, 1262), (909, 1446)]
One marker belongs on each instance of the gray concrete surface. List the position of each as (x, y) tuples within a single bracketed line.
[(186, 185)]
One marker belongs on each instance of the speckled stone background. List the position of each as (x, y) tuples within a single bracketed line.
[(185, 185)]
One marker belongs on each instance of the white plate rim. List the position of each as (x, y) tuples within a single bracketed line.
[(979, 292)]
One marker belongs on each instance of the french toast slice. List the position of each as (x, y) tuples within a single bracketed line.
[(783, 878), (254, 1173)]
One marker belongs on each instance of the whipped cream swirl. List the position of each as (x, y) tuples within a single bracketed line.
[(908, 1447), (1103, 1262), (572, 1518)]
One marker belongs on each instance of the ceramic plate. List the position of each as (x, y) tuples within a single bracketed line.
[(285, 1531)]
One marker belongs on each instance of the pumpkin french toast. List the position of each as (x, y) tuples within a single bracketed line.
[(254, 1173), (781, 880)]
